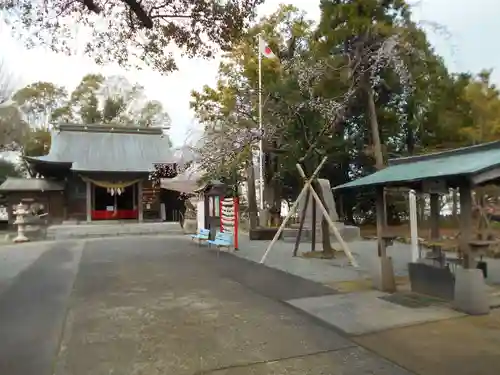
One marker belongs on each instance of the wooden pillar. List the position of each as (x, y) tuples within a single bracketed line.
[(381, 221), (383, 277), (206, 203), (385, 207), (88, 201), (65, 204), (134, 196), (140, 206), (466, 222), (434, 218)]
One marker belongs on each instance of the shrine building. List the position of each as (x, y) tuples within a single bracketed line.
[(102, 173)]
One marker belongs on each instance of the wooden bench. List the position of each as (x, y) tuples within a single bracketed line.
[(222, 240), (202, 235)]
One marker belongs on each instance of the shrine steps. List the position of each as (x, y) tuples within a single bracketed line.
[(111, 229)]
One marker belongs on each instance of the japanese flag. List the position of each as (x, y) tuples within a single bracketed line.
[(265, 50)]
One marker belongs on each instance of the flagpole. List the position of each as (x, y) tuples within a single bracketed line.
[(261, 142)]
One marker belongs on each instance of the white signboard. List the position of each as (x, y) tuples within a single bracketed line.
[(110, 208), (200, 214), (4, 215)]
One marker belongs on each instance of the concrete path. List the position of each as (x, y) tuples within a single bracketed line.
[(13, 261), (160, 305), (359, 309), (463, 346), (37, 283), (366, 312)]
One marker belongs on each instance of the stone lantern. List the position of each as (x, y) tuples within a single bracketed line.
[(21, 212)]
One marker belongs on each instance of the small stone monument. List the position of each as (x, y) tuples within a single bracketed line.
[(326, 191), (263, 217), (21, 212)]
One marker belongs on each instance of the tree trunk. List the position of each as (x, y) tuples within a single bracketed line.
[(376, 142), (375, 131), (410, 141), (252, 196)]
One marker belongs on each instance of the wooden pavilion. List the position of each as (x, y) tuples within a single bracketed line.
[(435, 174), (105, 172)]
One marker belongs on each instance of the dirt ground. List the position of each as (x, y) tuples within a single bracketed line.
[(449, 236), (404, 231), (448, 228), (469, 345)]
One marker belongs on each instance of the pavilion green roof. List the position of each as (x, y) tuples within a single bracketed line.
[(462, 162), (101, 148)]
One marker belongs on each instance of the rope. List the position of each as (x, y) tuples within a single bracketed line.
[(109, 184)]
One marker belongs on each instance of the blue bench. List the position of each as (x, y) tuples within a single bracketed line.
[(202, 235), (222, 240)]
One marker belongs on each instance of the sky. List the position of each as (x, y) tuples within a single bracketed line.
[(465, 38)]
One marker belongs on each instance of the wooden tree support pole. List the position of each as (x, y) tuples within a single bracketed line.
[(313, 232), (324, 211), (292, 209), (301, 225)]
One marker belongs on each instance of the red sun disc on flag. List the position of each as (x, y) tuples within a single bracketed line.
[(267, 50)]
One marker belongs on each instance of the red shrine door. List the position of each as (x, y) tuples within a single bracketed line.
[(114, 204)]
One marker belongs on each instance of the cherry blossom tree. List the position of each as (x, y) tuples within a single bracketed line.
[(128, 31)]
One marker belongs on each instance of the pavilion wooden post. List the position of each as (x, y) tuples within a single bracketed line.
[(88, 201), (466, 222), (470, 295), (434, 218), (383, 275), (381, 221)]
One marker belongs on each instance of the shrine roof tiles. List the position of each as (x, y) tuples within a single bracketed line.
[(100, 148)]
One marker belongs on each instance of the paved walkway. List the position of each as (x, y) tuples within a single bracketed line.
[(161, 305), (366, 312), (449, 344), (37, 280), (13, 261), (363, 310)]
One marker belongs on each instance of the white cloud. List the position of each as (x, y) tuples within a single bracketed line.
[(472, 25)]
